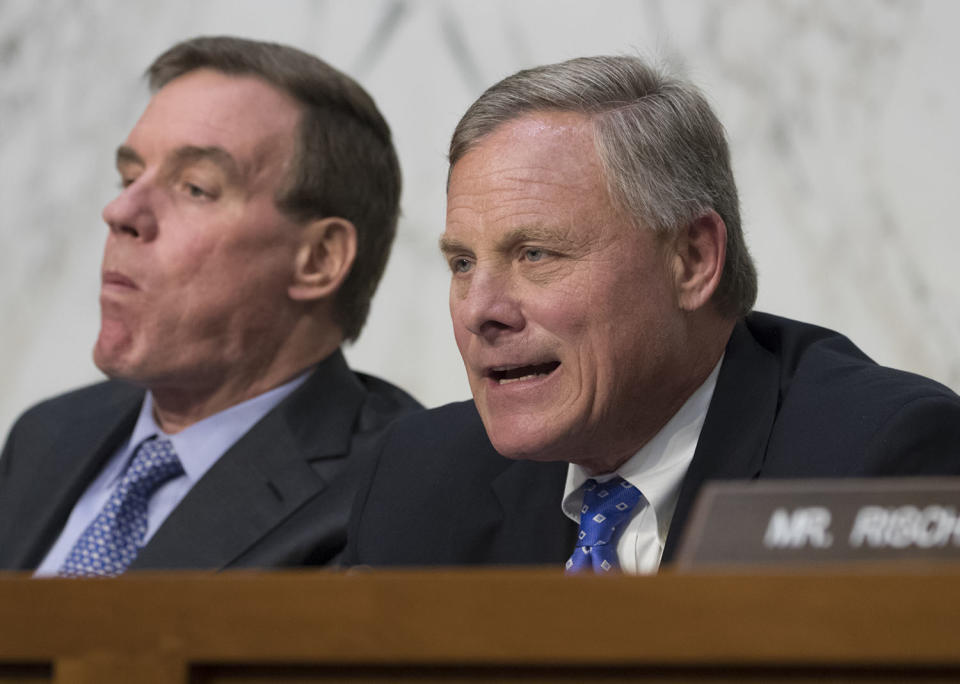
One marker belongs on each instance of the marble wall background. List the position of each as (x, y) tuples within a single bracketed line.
[(841, 116)]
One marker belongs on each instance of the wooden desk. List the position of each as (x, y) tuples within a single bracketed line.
[(472, 626)]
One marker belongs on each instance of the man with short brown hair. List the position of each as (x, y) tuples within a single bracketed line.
[(259, 200)]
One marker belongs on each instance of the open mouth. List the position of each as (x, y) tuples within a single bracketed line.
[(506, 375)]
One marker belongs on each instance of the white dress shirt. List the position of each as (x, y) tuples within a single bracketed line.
[(657, 470), (198, 447)]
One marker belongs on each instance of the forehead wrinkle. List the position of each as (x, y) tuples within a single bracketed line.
[(500, 200), (542, 175)]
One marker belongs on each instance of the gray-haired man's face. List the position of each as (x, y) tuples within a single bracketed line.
[(565, 314)]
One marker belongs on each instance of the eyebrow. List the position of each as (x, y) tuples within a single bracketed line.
[(510, 239), (448, 245), (532, 234), (127, 155), (186, 155)]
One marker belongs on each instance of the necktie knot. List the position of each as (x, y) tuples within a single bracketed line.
[(606, 508), (154, 463), (113, 539)]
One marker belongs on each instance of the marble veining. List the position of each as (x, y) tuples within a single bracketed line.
[(841, 118)]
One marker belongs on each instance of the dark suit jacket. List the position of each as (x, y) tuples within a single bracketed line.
[(792, 400), (280, 496)]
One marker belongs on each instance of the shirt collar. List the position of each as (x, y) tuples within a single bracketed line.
[(657, 469), (201, 444)]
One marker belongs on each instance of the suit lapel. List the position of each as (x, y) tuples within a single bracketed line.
[(284, 461), (737, 428), (65, 470)]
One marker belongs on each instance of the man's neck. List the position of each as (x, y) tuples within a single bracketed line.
[(181, 401), (175, 410), (177, 407)]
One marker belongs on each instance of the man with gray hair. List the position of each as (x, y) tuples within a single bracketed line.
[(259, 199), (601, 295)]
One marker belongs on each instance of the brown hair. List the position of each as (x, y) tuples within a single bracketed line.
[(345, 164)]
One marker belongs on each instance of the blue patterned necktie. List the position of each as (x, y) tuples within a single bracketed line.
[(112, 540), (605, 506)]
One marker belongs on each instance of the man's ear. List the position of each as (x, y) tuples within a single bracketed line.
[(323, 260), (699, 255)]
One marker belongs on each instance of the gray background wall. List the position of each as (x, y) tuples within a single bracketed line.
[(841, 116)]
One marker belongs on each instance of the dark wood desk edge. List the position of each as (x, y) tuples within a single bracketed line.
[(508, 617)]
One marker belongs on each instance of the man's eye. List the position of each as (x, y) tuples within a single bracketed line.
[(196, 191), (460, 265), (533, 254)]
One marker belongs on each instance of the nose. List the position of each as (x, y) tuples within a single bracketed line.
[(488, 305), (131, 212)]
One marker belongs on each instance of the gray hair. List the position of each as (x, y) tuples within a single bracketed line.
[(663, 150), (345, 164)]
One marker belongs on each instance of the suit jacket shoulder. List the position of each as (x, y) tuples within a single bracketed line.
[(46, 422), (842, 415), (799, 401), (52, 453)]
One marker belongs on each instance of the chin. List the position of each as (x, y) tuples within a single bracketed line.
[(113, 345), (522, 433), (114, 371), (524, 446), (113, 364), (104, 360)]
